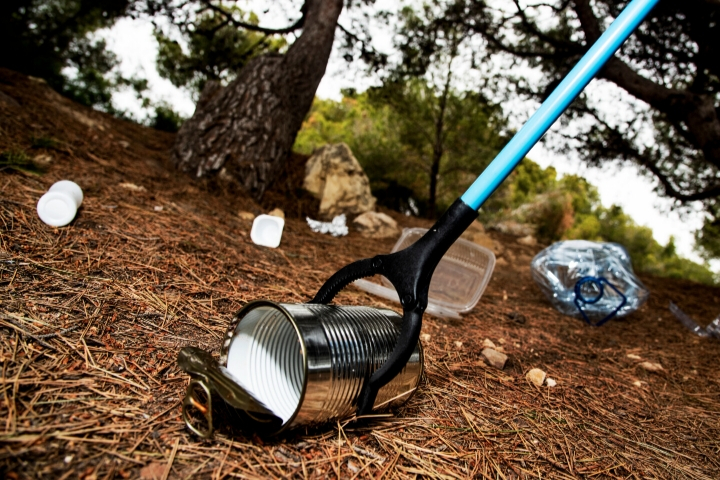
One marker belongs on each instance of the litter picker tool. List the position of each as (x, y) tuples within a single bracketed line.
[(410, 270), (288, 365)]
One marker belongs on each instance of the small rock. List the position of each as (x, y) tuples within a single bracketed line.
[(501, 341), (458, 345), (536, 376), (487, 343), (124, 143), (637, 383), (132, 187), (632, 356), (528, 240), (43, 159), (376, 225), (277, 213), (494, 358), (153, 471), (246, 215), (514, 228), (651, 366), (352, 466), (158, 208), (425, 337), (484, 240), (550, 382)]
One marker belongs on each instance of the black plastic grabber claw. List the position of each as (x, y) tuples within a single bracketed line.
[(410, 271)]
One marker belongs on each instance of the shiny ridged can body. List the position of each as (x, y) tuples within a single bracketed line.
[(308, 362)]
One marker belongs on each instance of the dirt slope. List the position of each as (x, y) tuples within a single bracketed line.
[(92, 316)]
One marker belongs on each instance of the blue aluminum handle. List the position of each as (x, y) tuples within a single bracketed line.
[(557, 102)]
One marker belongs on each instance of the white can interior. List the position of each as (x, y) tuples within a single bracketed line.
[(265, 356)]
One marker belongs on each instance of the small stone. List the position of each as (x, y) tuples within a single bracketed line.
[(153, 471), (528, 240), (246, 215), (158, 208), (43, 159), (632, 356), (651, 366), (494, 358), (458, 345), (376, 225), (501, 341), (425, 337), (550, 382), (487, 343), (277, 213), (637, 383), (132, 187), (536, 376), (68, 459), (124, 143), (514, 228)]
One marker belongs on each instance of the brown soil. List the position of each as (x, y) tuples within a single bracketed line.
[(92, 316)]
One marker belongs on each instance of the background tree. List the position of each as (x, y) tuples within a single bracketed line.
[(214, 50), (51, 39), (668, 69), (246, 130), (446, 136), (404, 138)]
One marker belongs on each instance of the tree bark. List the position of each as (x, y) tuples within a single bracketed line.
[(246, 130)]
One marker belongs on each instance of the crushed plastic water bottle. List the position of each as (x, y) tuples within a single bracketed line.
[(589, 280)]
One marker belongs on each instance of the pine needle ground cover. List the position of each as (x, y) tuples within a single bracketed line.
[(92, 316)]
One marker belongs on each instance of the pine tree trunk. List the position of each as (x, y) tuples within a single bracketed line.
[(246, 130)]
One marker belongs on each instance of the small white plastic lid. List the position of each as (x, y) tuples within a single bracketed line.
[(57, 209), (69, 187), (267, 230)]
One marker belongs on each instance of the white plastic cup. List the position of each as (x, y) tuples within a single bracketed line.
[(267, 230), (59, 205)]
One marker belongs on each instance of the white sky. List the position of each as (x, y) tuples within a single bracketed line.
[(133, 42)]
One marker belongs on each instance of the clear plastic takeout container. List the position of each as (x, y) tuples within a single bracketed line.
[(458, 282)]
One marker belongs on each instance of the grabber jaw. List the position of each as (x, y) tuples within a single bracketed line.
[(410, 271)]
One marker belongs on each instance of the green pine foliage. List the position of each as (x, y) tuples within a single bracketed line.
[(560, 208), (213, 49), (570, 208), (52, 40), (392, 132)]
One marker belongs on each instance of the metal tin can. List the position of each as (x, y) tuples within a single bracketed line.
[(308, 362)]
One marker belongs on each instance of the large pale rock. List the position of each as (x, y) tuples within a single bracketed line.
[(376, 225), (334, 176)]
